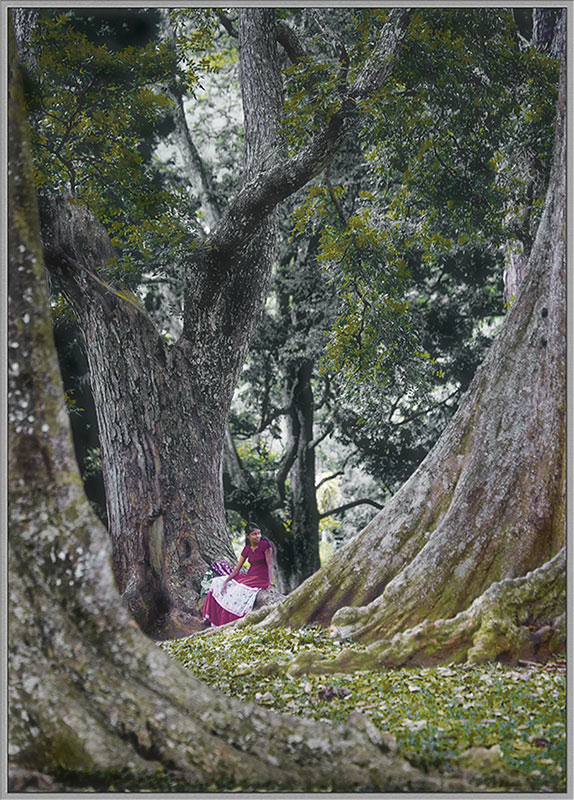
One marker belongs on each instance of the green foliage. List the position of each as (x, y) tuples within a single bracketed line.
[(98, 108), (261, 463), (92, 462), (314, 84), (194, 31), (453, 130), (435, 713), (398, 292), (456, 311), (419, 205), (448, 142), (311, 99), (72, 402)]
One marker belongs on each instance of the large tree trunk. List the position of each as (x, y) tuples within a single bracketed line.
[(159, 444), (162, 411), (488, 503), (88, 692)]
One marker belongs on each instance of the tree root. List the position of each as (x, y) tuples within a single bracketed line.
[(520, 618)]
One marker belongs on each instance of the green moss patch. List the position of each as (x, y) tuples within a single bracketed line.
[(436, 714)]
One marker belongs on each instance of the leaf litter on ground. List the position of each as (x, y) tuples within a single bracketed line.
[(438, 715)]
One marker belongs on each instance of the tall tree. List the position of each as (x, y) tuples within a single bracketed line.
[(91, 698), (433, 197), (162, 410), (467, 560)]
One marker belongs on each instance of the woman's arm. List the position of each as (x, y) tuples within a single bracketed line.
[(235, 572), (269, 560)]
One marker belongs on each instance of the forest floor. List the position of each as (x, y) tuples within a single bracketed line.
[(490, 720)]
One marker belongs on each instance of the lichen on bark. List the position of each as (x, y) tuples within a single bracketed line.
[(514, 619)]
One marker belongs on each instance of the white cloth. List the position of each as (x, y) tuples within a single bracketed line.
[(238, 599)]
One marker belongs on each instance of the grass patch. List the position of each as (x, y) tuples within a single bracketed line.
[(435, 713)]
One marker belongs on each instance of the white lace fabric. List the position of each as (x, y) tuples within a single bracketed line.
[(238, 599)]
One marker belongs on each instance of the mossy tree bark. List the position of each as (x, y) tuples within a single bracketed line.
[(88, 691), (162, 412), (488, 503)]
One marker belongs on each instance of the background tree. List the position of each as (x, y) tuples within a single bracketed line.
[(437, 197), (369, 238)]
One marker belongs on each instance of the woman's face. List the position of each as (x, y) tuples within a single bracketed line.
[(254, 537)]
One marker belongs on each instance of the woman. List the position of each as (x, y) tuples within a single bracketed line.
[(232, 596)]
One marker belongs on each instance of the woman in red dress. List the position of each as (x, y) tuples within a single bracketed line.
[(232, 596)]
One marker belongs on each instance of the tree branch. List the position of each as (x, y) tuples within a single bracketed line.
[(227, 23), (271, 416), (281, 475), (317, 441), (347, 506), (286, 37), (328, 478), (428, 410), (338, 46), (79, 105), (197, 173), (289, 41), (340, 472), (326, 394), (267, 188), (377, 68), (199, 178), (334, 199)]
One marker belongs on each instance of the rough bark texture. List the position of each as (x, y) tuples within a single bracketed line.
[(161, 476), (549, 30), (87, 690), (514, 619), (162, 412), (548, 36), (488, 503)]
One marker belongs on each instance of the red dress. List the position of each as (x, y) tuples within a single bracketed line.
[(240, 593)]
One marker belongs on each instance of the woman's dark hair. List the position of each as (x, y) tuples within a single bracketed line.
[(250, 526)]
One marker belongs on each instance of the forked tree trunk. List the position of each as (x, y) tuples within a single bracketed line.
[(162, 412), (88, 691), (488, 503)]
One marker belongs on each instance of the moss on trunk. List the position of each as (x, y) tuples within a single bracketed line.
[(515, 619)]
